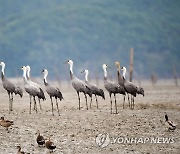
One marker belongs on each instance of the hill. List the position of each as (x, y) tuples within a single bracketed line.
[(45, 33)]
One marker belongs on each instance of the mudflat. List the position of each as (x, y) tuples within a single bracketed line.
[(139, 131)]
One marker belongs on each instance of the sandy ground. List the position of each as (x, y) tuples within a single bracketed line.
[(82, 131)]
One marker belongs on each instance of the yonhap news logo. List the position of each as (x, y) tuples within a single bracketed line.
[(104, 139)]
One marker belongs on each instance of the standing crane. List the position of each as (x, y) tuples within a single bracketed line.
[(79, 85), (32, 90), (120, 80), (10, 87), (41, 93), (52, 91), (129, 87), (112, 87), (95, 90)]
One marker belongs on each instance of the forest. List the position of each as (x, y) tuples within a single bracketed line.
[(46, 33)]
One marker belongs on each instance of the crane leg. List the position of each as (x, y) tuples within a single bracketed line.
[(111, 102), (79, 100), (34, 106), (123, 101), (129, 102), (91, 102), (39, 104), (133, 103), (30, 104), (9, 102), (86, 101), (35, 103), (52, 106), (97, 102), (57, 107), (115, 102)]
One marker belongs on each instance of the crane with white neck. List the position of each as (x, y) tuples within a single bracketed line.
[(10, 87), (41, 93), (52, 91), (130, 87), (32, 90), (112, 87), (79, 85), (95, 90)]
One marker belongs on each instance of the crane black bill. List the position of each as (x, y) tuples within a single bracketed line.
[(66, 62), (108, 66)]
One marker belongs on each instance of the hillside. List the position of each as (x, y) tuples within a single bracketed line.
[(46, 33)]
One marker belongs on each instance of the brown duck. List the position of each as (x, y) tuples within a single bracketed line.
[(6, 123), (170, 125), (19, 150), (40, 139), (50, 145)]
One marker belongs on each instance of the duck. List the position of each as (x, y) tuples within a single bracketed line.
[(170, 125), (19, 150), (6, 123), (50, 145), (40, 139)]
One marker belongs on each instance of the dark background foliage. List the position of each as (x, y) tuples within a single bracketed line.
[(45, 33)]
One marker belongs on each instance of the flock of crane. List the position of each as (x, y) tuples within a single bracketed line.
[(34, 90)]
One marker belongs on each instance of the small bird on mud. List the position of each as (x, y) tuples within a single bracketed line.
[(40, 139), (50, 145), (19, 150), (6, 123), (170, 125)]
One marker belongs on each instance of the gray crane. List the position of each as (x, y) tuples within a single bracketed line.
[(41, 93), (52, 91), (95, 90), (10, 87), (32, 90), (140, 90), (120, 80), (79, 85), (129, 87), (112, 87)]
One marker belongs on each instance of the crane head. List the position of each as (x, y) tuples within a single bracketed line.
[(44, 71), (23, 68), (2, 64), (123, 68), (28, 68), (104, 66), (69, 62), (118, 65)]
